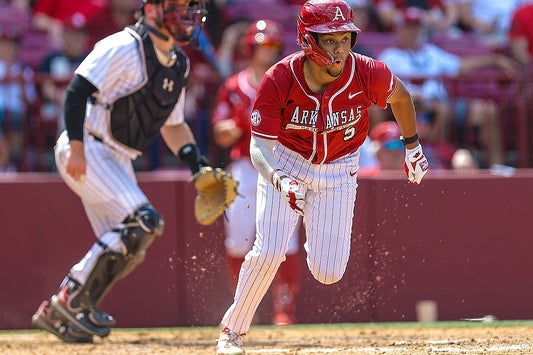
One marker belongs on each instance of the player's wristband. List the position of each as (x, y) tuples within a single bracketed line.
[(190, 155), (272, 175), (409, 140)]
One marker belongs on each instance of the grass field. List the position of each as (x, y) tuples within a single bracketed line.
[(498, 337)]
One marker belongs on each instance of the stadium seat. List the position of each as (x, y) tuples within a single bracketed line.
[(375, 42), (465, 44), (34, 47)]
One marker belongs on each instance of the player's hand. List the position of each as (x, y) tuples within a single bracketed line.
[(416, 165), (76, 165), (291, 191)]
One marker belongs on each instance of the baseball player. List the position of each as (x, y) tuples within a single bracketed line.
[(263, 43), (308, 121), (129, 88)]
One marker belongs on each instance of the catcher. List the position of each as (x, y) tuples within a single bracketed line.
[(129, 88)]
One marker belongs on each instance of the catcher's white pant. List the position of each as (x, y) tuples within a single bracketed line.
[(109, 194), (330, 200), (240, 222)]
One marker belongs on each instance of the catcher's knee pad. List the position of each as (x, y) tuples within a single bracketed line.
[(121, 250), (148, 219)]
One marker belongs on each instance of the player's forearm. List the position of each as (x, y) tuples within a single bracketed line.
[(404, 112), (177, 136), (262, 156)]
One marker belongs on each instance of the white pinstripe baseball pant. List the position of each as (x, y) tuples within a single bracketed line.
[(109, 194), (330, 200)]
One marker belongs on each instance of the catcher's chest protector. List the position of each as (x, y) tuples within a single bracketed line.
[(137, 117)]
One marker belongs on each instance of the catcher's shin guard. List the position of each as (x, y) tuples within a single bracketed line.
[(125, 249)]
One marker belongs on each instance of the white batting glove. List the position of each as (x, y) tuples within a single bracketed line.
[(416, 165), (290, 190)]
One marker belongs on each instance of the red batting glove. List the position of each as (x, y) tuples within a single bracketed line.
[(290, 191), (416, 165)]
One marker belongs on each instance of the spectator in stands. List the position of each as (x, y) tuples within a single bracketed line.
[(490, 19), (361, 10), (50, 15), (16, 94), (113, 18), (231, 58), (521, 34), (60, 66), (389, 150), (414, 60), (434, 10)]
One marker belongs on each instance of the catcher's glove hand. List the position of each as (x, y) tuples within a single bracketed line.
[(216, 189)]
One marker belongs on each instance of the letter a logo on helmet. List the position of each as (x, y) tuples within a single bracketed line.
[(338, 14), (323, 16)]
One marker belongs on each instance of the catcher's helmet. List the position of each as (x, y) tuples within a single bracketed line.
[(263, 32), (323, 16), (183, 18)]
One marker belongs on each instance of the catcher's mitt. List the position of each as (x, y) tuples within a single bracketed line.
[(216, 189)]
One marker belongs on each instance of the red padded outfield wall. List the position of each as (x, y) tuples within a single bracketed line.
[(462, 240)]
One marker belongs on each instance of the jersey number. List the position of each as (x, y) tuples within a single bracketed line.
[(349, 133)]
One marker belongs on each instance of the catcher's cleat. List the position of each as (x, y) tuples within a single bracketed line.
[(81, 320), (229, 343), (101, 318), (46, 320)]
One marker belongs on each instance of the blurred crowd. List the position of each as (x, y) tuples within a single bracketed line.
[(429, 44)]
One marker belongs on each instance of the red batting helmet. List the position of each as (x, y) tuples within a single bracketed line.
[(323, 16), (263, 32)]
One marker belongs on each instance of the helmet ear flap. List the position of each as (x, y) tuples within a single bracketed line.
[(354, 39), (314, 52)]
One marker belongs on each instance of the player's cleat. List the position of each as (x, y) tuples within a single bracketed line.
[(101, 318), (46, 320), (80, 320), (283, 318), (229, 343)]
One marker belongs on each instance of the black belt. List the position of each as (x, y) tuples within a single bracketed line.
[(96, 138)]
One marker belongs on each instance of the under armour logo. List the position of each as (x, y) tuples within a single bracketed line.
[(168, 85), (339, 14)]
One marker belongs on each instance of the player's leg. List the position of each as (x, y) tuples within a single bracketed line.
[(109, 194), (330, 205), (286, 283), (276, 222), (240, 218)]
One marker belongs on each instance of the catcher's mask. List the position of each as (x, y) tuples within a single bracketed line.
[(323, 16), (182, 18)]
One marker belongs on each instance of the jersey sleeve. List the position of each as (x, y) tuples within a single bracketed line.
[(267, 111), (382, 83), (108, 60)]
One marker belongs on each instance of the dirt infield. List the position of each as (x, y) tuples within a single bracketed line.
[(499, 338)]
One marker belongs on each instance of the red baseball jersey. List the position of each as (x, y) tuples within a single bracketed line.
[(234, 102), (326, 126)]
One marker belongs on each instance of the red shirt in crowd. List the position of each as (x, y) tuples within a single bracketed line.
[(522, 25), (64, 9)]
